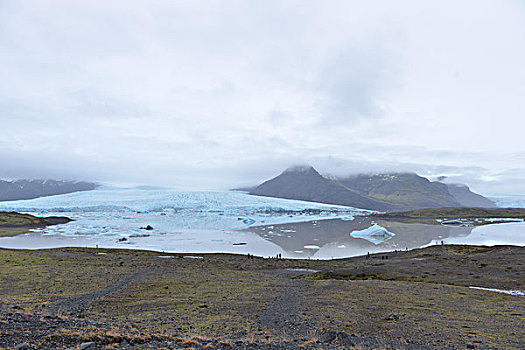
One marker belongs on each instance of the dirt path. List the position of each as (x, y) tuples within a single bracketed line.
[(284, 313), (227, 301), (77, 306)]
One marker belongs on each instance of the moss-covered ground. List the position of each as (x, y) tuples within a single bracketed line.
[(13, 224), (477, 216), (417, 297)]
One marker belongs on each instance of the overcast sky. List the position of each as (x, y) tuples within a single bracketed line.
[(216, 94)]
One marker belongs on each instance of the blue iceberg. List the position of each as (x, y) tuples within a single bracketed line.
[(249, 221), (375, 234)]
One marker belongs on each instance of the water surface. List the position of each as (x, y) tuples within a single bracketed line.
[(233, 222)]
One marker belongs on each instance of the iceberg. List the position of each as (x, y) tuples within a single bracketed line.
[(249, 221), (375, 234)]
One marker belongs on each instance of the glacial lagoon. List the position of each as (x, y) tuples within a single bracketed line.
[(233, 222)]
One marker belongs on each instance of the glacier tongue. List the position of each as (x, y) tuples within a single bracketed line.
[(180, 221), (122, 211), (155, 200)]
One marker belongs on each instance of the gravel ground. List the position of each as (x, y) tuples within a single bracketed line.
[(76, 298)]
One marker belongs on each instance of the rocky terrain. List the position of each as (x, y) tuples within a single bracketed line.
[(79, 298)]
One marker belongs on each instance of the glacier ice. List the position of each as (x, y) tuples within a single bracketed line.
[(183, 221), (248, 221), (375, 234)]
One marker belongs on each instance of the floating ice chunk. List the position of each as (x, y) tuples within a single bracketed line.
[(374, 234), (347, 218), (342, 246), (248, 221), (518, 293), (311, 247), (303, 270)]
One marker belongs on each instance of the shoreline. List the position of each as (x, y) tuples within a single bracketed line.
[(226, 242)]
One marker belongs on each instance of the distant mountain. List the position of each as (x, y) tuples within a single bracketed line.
[(467, 198), (305, 183), (403, 190), (383, 192), (28, 189), (408, 191)]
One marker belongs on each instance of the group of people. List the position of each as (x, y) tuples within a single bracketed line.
[(277, 256)]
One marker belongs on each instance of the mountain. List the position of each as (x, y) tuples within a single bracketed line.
[(404, 191), (305, 183), (383, 192), (28, 189), (467, 198)]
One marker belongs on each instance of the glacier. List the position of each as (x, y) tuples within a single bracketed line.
[(509, 201), (228, 222), (145, 200), (182, 221)]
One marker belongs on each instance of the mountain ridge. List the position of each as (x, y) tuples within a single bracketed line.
[(305, 183), (382, 192), (30, 189)]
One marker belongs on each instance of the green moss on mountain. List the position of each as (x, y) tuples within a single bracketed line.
[(382, 192)]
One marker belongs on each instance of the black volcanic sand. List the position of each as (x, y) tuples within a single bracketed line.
[(103, 299)]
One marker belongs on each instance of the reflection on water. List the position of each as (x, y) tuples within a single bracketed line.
[(319, 239), (508, 234), (328, 239)]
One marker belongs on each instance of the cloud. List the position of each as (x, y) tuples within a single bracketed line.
[(354, 82), (215, 95)]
